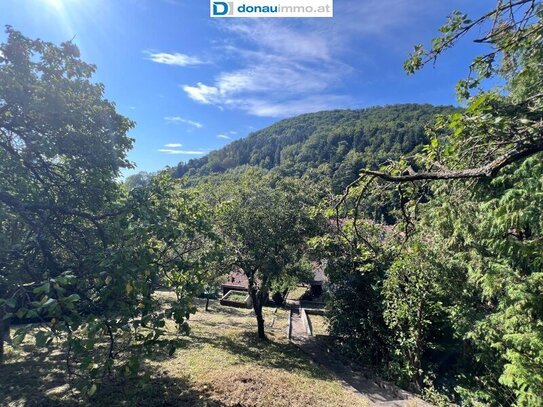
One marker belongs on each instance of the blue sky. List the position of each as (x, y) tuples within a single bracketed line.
[(194, 84)]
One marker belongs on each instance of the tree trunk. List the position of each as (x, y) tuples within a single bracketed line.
[(207, 304), (257, 306), (257, 295), (260, 323)]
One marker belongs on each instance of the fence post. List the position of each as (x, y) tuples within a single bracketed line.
[(289, 329)]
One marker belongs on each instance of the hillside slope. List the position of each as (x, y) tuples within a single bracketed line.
[(331, 145)]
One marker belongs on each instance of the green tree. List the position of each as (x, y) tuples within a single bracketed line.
[(329, 147), (263, 230), (61, 147), (473, 197), (139, 180), (77, 251)]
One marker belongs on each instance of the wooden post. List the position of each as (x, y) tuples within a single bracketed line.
[(289, 330)]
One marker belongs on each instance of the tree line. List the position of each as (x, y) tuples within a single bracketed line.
[(329, 148)]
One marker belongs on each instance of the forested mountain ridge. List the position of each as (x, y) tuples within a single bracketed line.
[(332, 144)]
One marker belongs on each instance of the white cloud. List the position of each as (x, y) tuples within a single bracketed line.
[(201, 93), (185, 152), (175, 58), (281, 68), (284, 40), (296, 106), (173, 145), (271, 79), (224, 136), (177, 119)]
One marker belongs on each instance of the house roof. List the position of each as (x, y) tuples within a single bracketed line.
[(236, 279)]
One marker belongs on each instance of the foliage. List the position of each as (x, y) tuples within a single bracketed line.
[(459, 296), (329, 148), (434, 259), (506, 267), (263, 229), (78, 253), (354, 308), (138, 180), (217, 367)]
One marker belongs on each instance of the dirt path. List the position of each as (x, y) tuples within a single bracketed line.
[(353, 377)]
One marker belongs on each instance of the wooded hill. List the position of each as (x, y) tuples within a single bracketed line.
[(331, 145)]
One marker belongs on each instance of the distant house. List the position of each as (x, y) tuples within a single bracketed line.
[(319, 278), (238, 281)]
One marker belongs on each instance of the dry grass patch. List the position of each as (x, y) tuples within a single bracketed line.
[(296, 293), (225, 358), (319, 324), (222, 363)]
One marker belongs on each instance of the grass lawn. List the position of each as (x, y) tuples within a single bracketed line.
[(221, 364), (297, 293), (237, 296), (318, 323)]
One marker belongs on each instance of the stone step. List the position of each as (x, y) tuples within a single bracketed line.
[(359, 380)]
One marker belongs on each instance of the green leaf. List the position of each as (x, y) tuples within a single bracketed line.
[(92, 390), (49, 302), (11, 302), (41, 339), (32, 314), (45, 288), (18, 338), (21, 313), (73, 298)]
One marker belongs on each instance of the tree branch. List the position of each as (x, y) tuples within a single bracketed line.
[(489, 170)]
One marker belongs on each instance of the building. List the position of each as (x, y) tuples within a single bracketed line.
[(238, 281), (319, 279)]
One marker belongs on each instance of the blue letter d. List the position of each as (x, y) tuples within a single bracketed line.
[(217, 11)]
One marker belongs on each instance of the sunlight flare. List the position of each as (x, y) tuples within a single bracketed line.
[(57, 4)]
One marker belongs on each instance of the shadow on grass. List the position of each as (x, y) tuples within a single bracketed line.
[(266, 353), (216, 308), (28, 380), (40, 379), (159, 391), (224, 316), (161, 355)]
